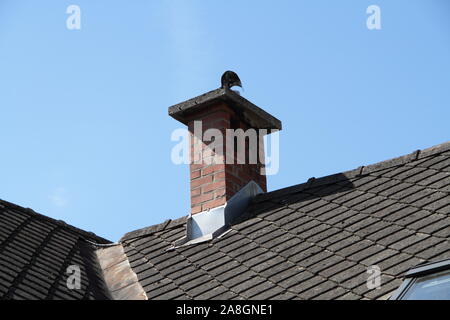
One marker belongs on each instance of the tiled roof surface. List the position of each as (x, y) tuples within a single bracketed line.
[(35, 252), (311, 241)]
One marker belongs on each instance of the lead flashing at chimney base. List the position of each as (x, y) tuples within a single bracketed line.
[(215, 222)]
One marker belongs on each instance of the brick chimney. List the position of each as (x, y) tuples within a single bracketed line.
[(212, 183)]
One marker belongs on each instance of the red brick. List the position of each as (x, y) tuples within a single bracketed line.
[(219, 193), (213, 204), (212, 186), (196, 166), (219, 176), (201, 181), (196, 192), (213, 168), (196, 209), (196, 174), (201, 198)]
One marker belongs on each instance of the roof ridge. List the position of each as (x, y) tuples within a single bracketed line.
[(312, 182), (360, 171), (147, 231), (61, 223)]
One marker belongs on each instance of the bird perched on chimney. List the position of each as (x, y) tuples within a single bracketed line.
[(230, 79)]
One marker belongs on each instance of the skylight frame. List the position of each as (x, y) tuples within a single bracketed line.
[(418, 272)]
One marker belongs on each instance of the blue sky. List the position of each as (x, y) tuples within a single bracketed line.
[(85, 135)]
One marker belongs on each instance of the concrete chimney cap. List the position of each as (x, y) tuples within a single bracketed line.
[(256, 117)]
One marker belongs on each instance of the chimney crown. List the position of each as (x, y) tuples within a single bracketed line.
[(256, 117)]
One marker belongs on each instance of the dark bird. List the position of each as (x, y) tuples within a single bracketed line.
[(230, 79)]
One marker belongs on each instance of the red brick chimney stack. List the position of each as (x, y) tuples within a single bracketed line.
[(212, 184)]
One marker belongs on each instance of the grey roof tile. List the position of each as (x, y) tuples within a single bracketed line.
[(305, 254), (270, 293), (387, 288), (280, 270), (383, 235), (319, 289), (400, 268), (318, 260), (420, 216), (304, 286), (291, 277), (347, 219), (371, 228), (434, 251), (264, 286), (385, 209), (409, 242), (203, 288), (284, 296), (333, 268), (396, 215), (442, 256), (245, 281), (444, 233), (442, 222), (212, 293), (228, 295), (235, 275), (342, 276), (418, 246), (349, 296), (331, 294), (365, 291), (444, 210)]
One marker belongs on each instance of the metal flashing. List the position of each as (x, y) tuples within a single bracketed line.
[(212, 223)]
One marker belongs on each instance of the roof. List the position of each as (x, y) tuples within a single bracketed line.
[(315, 240), (35, 252)]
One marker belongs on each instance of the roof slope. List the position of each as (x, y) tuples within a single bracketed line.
[(311, 241), (35, 252)]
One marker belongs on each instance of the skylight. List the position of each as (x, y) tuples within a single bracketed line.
[(429, 281)]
